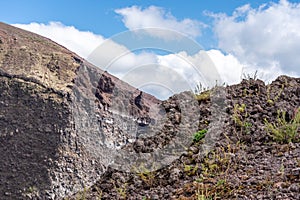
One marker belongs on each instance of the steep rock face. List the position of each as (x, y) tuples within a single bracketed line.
[(60, 117), (30, 128)]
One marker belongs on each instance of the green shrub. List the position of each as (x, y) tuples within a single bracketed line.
[(283, 131), (199, 135)]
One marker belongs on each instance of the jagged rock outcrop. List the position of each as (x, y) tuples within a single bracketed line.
[(61, 119), (246, 162)]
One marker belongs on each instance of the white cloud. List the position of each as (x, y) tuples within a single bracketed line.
[(81, 42), (229, 68), (266, 38), (161, 75), (167, 74), (155, 17), (178, 72)]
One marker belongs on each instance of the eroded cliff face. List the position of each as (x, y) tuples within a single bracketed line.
[(61, 119)]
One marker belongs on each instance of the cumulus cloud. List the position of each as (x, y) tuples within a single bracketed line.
[(228, 66), (155, 17), (164, 75), (81, 42), (161, 75), (266, 38)]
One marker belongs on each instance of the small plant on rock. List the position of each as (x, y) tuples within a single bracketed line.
[(283, 131), (201, 92), (122, 191), (240, 116), (272, 101), (203, 96), (199, 135), (200, 88), (190, 170), (249, 76), (238, 112), (145, 174)]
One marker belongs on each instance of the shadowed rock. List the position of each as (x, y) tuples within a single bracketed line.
[(60, 117)]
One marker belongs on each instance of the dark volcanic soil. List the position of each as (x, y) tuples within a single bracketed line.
[(246, 162)]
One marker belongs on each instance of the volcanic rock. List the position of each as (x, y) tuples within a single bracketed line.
[(61, 118)]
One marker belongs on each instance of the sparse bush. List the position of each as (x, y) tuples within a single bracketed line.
[(200, 88), (190, 170), (203, 96), (145, 174), (283, 131), (201, 92), (240, 116), (272, 101)]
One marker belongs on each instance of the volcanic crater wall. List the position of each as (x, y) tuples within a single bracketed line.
[(31, 124), (60, 117)]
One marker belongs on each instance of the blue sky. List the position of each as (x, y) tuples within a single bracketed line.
[(99, 17), (239, 36)]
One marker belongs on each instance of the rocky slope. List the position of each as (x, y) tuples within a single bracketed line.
[(246, 162), (70, 130)]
